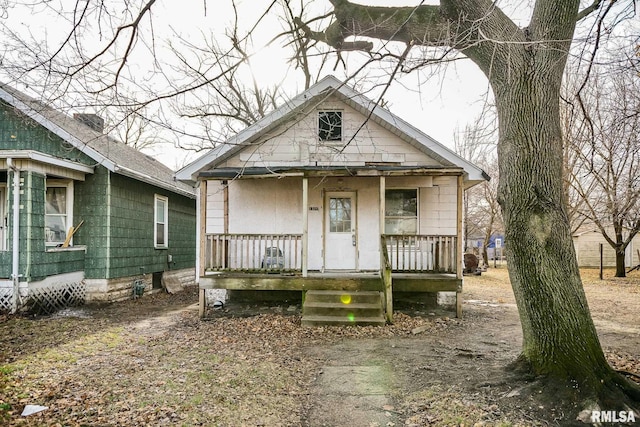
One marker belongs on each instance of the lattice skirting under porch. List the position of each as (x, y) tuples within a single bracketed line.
[(51, 298), (5, 299)]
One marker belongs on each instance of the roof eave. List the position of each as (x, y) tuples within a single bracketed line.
[(46, 159), (153, 181)]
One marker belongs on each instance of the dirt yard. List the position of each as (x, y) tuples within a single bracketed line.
[(153, 362)]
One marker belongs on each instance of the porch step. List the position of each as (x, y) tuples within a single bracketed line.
[(342, 308)]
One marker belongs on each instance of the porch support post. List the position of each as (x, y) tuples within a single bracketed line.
[(383, 189), (202, 229), (459, 254), (201, 219), (305, 225), (385, 268)]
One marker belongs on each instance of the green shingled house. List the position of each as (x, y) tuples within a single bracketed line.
[(59, 172)]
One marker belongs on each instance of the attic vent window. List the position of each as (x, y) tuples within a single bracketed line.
[(330, 125)]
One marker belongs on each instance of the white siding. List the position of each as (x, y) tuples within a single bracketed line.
[(215, 207), (588, 250), (296, 144), (438, 207)]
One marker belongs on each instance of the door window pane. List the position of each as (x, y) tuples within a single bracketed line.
[(340, 214)]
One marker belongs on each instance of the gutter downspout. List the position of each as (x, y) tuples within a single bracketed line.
[(15, 276)]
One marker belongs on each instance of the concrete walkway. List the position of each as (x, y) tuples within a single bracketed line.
[(353, 395)]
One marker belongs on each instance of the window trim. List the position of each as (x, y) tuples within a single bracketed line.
[(156, 199), (318, 129), (68, 185), (417, 216)]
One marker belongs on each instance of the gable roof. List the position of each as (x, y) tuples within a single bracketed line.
[(114, 155), (328, 86)]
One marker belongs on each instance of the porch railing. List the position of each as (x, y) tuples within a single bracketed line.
[(253, 252), (422, 253)]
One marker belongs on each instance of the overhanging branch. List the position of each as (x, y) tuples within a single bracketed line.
[(589, 10)]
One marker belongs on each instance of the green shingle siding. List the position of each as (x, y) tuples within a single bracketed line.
[(19, 132), (90, 205), (132, 227), (6, 259)]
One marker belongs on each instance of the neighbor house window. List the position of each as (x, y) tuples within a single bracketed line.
[(161, 230), (330, 125), (401, 211), (58, 211)]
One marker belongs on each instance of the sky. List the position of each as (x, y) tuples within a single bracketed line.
[(439, 101), (440, 104)]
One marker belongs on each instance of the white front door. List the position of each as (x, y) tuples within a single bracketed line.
[(340, 231), (3, 219)]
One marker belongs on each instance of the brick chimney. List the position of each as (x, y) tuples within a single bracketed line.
[(94, 121)]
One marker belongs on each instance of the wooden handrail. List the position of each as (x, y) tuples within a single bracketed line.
[(422, 253), (253, 252)]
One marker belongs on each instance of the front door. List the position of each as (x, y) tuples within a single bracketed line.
[(340, 231)]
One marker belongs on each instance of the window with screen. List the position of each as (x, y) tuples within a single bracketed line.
[(161, 231), (401, 211), (58, 211)]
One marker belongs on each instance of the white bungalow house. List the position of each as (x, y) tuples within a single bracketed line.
[(335, 197)]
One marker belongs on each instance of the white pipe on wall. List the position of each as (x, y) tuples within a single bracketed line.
[(15, 276)]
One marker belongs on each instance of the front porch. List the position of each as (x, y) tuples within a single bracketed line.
[(416, 263), (378, 229)]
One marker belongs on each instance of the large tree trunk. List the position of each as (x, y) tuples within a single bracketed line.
[(559, 336)]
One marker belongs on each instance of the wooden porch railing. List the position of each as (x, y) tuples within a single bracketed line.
[(422, 253), (253, 252)]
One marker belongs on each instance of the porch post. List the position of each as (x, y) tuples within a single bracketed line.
[(385, 269), (383, 189), (201, 219), (460, 256), (305, 225)]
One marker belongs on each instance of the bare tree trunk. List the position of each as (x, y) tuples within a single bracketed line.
[(485, 244), (485, 255), (620, 262), (542, 263), (559, 338)]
